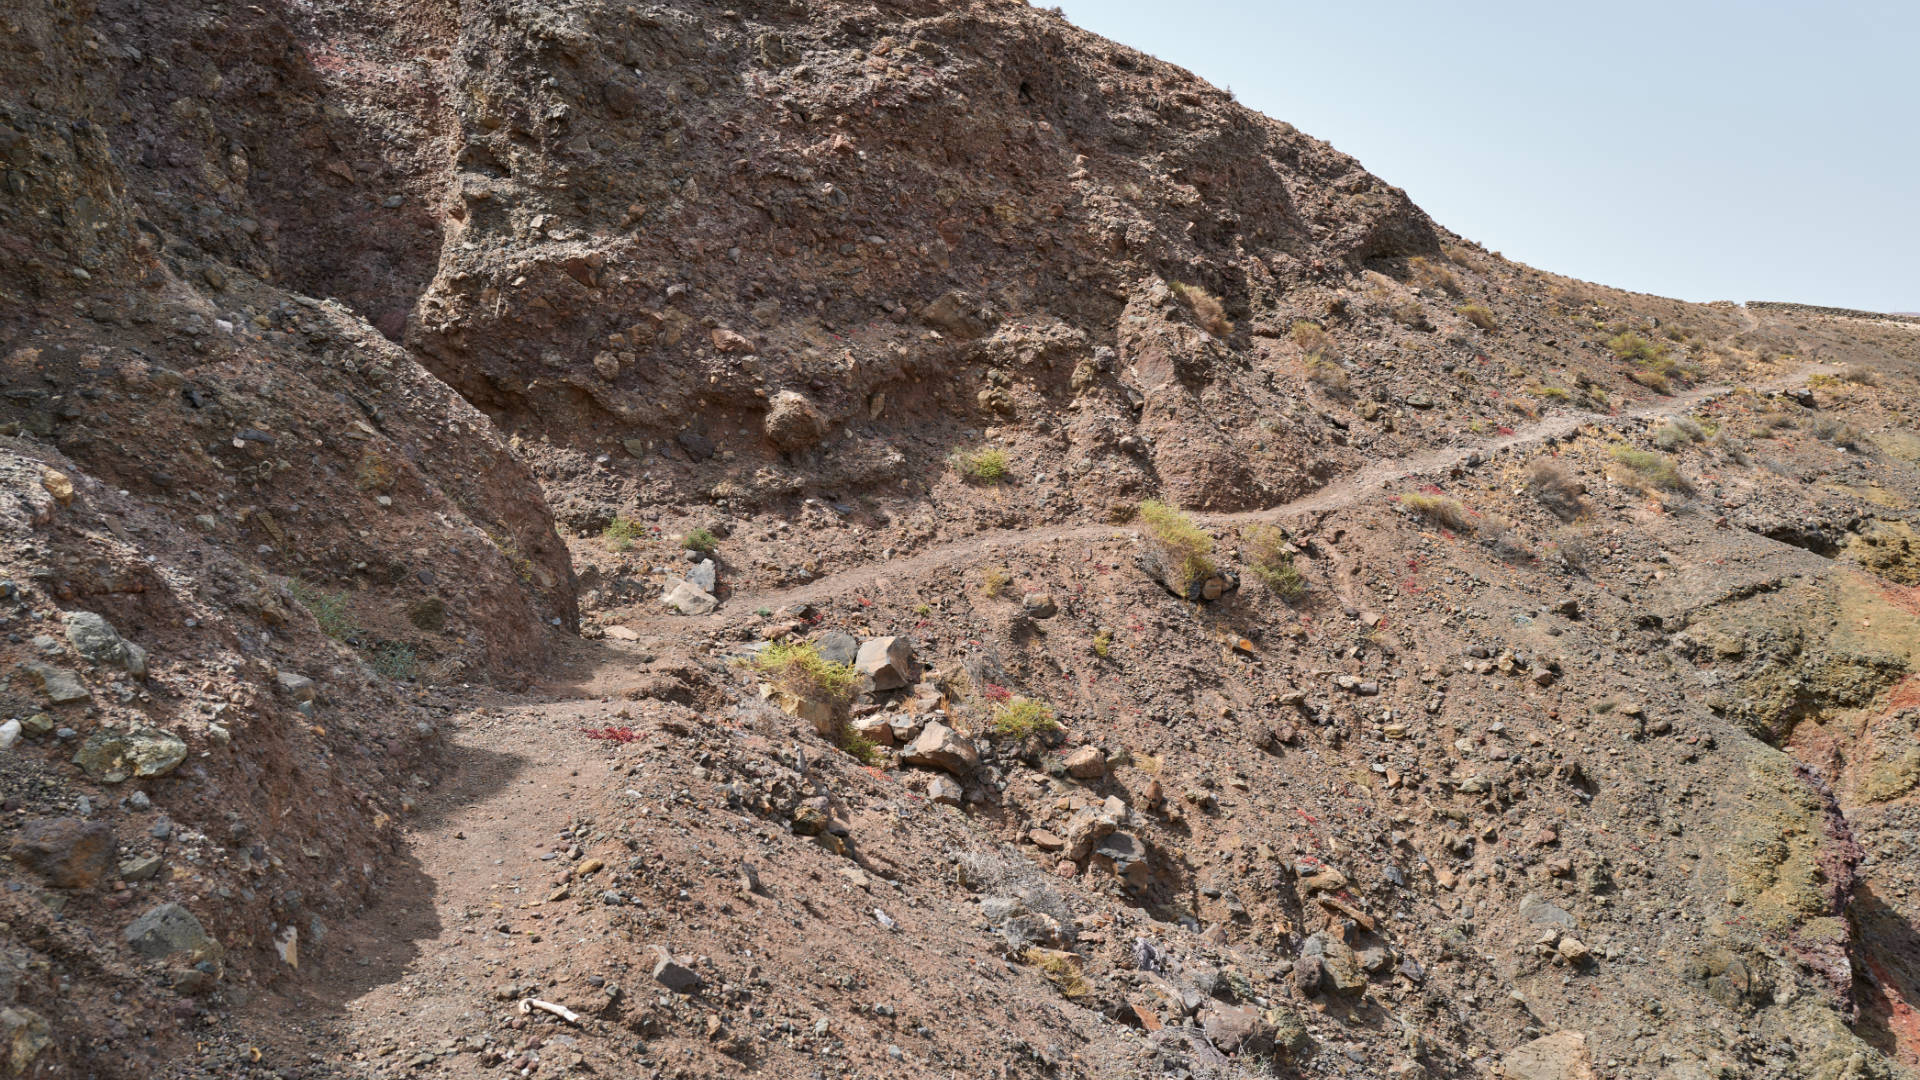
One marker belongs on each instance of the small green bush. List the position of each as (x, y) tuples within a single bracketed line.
[(329, 609), (396, 660), (620, 533), (1021, 717), (983, 466), (858, 746), (1271, 561), (1651, 469), (799, 669), (1324, 372), (701, 540), (1103, 643), (1677, 431), (994, 580), (1628, 345), (1187, 550), (1479, 315)]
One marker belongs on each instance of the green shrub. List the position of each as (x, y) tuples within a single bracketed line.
[(799, 669), (1186, 550), (329, 609), (1324, 372), (1440, 510), (396, 660), (983, 466), (1651, 469), (1653, 381), (1271, 560), (701, 540), (620, 533), (1479, 315), (1628, 345), (994, 580), (1021, 717), (1103, 643), (1677, 431), (858, 746)]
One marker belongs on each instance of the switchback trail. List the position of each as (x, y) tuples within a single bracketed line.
[(1350, 489)]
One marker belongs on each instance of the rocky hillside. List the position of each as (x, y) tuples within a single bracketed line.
[(898, 538)]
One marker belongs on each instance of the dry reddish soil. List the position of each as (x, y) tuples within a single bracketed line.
[(447, 454)]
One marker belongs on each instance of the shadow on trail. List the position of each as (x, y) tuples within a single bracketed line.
[(378, 945)]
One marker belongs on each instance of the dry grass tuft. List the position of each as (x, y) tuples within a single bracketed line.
[(1557, 490), (1186, 550), (1207, 309), (1647, 470), (1326, 374), (1479, 315), (1270, 558), (1439, 510)]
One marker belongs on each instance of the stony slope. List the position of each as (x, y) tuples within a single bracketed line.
[(1582, 745)]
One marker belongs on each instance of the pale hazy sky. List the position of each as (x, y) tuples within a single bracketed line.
[(1708, 151)]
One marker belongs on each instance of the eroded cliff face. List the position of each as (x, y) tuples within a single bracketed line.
[(1545, 703)]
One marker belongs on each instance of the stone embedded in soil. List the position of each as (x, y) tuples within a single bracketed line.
[(113, 755), (62, 686), (1560, 1056), (793, 422), (704, 576), (171, 930), (93, 637), (888, 661), (837, 647), (1086, 763), (941, 747), (68, 853), (675, 977), (689, 599)]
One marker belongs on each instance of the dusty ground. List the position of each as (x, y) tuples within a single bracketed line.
[(368, 372)]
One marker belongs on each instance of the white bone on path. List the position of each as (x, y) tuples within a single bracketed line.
[(527, 1005)]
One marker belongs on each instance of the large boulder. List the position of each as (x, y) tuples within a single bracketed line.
[(941, 747), (113, 755), (69, 853), (888, 661)]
